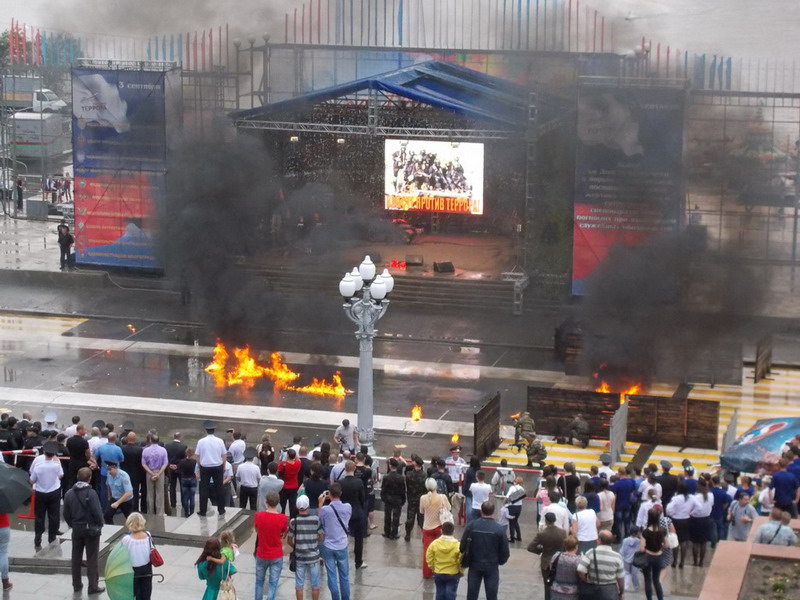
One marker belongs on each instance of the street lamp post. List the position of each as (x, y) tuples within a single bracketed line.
[(365, 302)]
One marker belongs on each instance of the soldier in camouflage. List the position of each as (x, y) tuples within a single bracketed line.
[(524, 428), (536, 452), (415, 488)]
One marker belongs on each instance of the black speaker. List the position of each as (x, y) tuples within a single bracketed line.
[(443, 267), (414, 260)]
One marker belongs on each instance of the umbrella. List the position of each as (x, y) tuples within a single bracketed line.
[(15, 488), (760, 446), (119, 574)]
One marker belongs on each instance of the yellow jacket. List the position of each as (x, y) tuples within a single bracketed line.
[(444, 555)]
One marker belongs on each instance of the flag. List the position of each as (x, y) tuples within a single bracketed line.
[(728, 73), (712, 72), (149, 49), (721, 67), (11, 43), (400, 21), (699, 71)]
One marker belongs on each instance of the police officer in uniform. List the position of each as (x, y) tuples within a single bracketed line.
[(211, 456), (415, 488)]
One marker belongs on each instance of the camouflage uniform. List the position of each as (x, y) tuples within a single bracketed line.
[(536, 452), (579, 428), (524, 428), (415, 488)]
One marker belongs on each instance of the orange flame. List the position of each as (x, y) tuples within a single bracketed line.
[(516, 415), (131, 328), (416, 413), (455, 438), (604, 387), (243, 369)]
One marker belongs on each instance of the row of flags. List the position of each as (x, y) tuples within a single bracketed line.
[(30, 46)]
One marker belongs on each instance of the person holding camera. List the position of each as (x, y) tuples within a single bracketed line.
[(334, 515)]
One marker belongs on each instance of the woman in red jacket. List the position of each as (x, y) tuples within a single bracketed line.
[(289, 471), (5, 537)]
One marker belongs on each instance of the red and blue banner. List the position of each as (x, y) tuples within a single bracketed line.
[(628, 172)]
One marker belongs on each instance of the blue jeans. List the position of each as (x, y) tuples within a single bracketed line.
[(719, 531), (275, 566), (652, 577), (491, 582), (314, 574), (5, 537), (337, 561), (622, 523), (188, 489), (446, 586)]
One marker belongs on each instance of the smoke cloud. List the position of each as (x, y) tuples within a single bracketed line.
[(216, 215), (654, 309)]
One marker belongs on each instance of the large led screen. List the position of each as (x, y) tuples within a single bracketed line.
[(426, 176)]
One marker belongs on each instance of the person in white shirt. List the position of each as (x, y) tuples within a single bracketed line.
[(211, 458), (646, 505), (766, 497), (99, 437), (563, 516), (606, 469), (455, 466), (46, 478), (516, 494), (585, 526), (337, 471), (346, 435), (480, 491), (699, 522), (236, 449), (679, 510), (268, 483), (72, 429), (248, 476), (647, 484)]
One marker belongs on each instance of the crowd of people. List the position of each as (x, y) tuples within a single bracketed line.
[(319, 497), (426, 171)]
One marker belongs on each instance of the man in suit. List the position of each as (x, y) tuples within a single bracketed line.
[(132, 465), (354, 494), (546, 543), (668, 481), (176, 450)]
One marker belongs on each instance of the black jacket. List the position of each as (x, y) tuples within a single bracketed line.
[(393, 489), (132, 462), (175, 451), (669, 485), (82, 507), (488, 545), (353, 494), (444, 476)]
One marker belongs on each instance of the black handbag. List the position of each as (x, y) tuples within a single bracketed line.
[(640, 559), (552, 570)]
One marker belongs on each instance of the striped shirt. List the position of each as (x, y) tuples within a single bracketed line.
[(305, 530), (609, 565)]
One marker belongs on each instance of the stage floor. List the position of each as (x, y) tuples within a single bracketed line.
[(474, 256)]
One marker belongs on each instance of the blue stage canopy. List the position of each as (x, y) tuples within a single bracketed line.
[(437, 83)]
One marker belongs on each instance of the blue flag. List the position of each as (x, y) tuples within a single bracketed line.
[(700, 71), (712, 72)]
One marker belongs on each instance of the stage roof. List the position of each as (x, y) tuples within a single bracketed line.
[(437, 83)]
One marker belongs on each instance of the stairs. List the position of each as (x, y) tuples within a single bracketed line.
[(445, 293)]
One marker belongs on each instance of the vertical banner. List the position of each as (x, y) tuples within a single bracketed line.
[(628, 170), (121, 126)]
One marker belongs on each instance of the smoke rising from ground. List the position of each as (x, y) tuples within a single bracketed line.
[(655, 308), (219, 200)]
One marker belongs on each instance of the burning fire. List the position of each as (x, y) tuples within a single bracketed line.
[(416, 413), (455, 438), (516, 415), (624, 387), (243, 369), (131, 328)]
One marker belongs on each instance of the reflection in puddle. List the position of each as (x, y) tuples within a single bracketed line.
[(9, 375)]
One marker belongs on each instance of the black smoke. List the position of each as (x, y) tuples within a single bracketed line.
[(654, 309), (220, 196)]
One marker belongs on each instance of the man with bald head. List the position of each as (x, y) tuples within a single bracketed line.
[(604, 567), (132, 465)]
